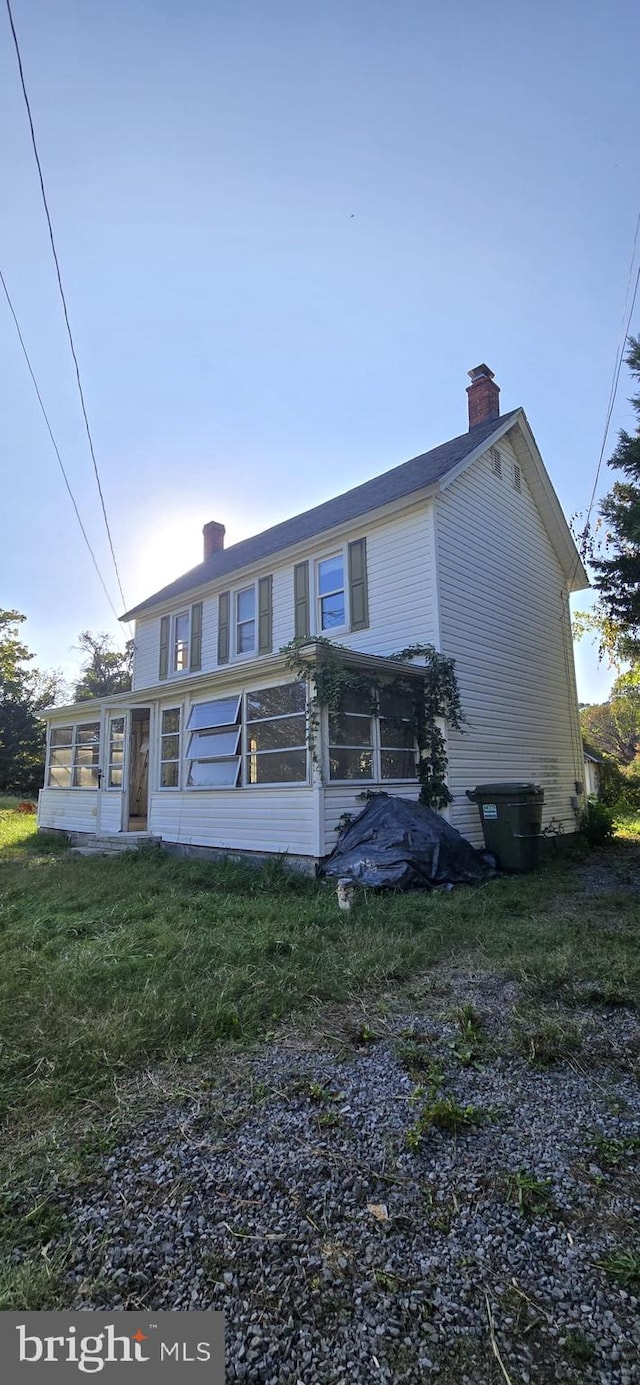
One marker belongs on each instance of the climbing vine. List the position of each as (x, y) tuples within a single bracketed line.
[(434, 697)]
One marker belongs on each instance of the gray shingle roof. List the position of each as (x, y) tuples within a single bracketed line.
[(410, 476)]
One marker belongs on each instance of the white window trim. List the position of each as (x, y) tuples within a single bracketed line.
[(114, 788), (175, 672), (343, 553), (376, 747), (246, 752), (242, 655), (171, 788), (74, 727)]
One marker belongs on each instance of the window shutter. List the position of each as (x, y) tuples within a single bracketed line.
[(165, 625), (265, 615), (195, 646), (358, 593), (224, 612), (301, 600)]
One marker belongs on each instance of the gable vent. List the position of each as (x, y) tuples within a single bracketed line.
[(517, 477), (496, 461)]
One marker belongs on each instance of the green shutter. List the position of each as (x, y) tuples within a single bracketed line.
[(358, 594), (165, 625), (195, 647), (265, 615), (301, 600), (224, 614)]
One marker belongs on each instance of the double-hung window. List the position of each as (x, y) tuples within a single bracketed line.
[(180, 647), (331, 597), (245, 609), (74, 756), (276, 735), (213, 751)]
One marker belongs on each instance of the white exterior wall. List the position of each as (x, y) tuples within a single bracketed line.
[(504, 619), (71, 810), (400, 565), (252, 819)]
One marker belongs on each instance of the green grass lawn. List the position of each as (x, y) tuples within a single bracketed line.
[(110, 965)]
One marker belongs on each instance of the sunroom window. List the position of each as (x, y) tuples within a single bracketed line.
[(116, 753), (351, 738), (276, 735), (74, 756), (373, 737), (170, 749), (213, 751)]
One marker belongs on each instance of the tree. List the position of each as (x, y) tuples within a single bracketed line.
[(617, 568), (23, 693), (613, 727), (106, 670)]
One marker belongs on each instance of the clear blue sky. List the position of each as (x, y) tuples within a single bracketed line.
[(287, 230)]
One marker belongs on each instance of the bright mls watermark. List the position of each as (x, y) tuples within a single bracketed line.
[(170, 1348)]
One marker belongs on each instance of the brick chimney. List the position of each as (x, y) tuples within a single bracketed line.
[(213, 534), (484, 396)]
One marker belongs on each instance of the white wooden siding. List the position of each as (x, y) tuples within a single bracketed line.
[(343, 798), (71, 810), (273, 820), (110, 811), (402, 603), (503, 611)]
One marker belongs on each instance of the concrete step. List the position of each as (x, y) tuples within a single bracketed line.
[(82, 845)]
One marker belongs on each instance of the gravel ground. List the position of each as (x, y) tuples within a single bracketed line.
[(283, 1190)]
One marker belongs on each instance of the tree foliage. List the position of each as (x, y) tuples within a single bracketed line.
[(616, 561), (106, 670), (24, 692), (613, 727)]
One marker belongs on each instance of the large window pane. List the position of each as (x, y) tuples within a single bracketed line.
[(85, 778), (205, 745), (88, 734), (349, 730), (332, 613), (398, 764), (171, 721), (331, 575), (278, 767), (170, 747), (276, 702), (59, 778), (273, 735), (62, 735), (223, 712), (214, 773), (351, 764), (169, 775), (61, 757)]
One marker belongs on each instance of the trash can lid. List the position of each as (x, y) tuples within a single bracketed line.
[(504, 789)]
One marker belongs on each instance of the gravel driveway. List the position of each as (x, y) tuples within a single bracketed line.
[(306, 1190)]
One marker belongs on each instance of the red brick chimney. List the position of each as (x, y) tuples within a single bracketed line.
[(484, 396), (213, 534)]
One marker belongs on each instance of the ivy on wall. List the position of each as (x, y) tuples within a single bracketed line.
[(433, 697)]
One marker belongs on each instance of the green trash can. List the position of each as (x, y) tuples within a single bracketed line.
[(511, 817)]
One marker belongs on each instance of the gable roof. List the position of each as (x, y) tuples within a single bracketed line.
[(425, 470)]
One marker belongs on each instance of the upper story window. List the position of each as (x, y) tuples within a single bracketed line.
[(245, 604), (332, 603), (74, 757), (331, 594), (181, 641)]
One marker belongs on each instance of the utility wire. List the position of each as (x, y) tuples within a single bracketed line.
[(55, 446), (625, 326), (64, 301)]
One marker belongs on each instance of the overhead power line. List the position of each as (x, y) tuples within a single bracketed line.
[(55, 446), (64, 302)]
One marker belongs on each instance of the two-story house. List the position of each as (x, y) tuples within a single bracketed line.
[(465, 547)]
